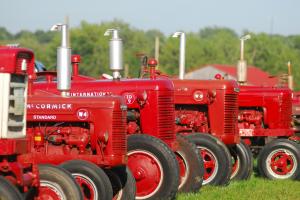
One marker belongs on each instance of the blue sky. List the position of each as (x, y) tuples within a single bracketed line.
[(270, 16)]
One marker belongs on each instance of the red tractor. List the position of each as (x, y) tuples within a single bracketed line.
[(288, 80), (84, 135), (150, 127), (296, 110), (209, 106), (264, 122), (20, 176)]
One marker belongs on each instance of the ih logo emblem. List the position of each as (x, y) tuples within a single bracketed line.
[(198, 96), (82, 114), (129, 98)]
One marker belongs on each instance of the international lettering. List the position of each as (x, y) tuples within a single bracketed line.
[(90, 94)]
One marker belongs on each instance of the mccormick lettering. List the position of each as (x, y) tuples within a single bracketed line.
[(49, 106), (44, 117), (90, 94)]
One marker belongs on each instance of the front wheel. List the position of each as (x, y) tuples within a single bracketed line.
[(242, 161), (216, 158), (94, 183), (279, 159), (190, 164), (57, 184), (153, 166), (8, 191), (123, 183)]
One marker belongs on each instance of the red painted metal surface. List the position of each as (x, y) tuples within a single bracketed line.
[(282, 163), (265, 111), (71, 129), (151, 101), (17, 164), (11, 59), (209, 164), (235, 165), (147, 172), (150, 104), (204, 106), (182, 168), (63, 128), (49, 193), (296, 110), (207, 106), (89, 190)]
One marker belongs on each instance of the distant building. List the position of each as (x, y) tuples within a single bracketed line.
[(255, 76)]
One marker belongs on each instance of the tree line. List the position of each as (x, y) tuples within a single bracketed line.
[(210, 45)]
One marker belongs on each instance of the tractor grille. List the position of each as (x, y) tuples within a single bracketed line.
[(166, 116), (231, 111), (119, 145), (20, 58), (286, 111)]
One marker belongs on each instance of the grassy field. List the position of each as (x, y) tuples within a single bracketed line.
[(254, 189)]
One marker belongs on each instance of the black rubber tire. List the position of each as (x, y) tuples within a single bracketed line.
[(262, 162), (123, 183), (62, 178), (8, 191), (243, 154), (189, 157), (93, 174), (221, 154), (166, 158)]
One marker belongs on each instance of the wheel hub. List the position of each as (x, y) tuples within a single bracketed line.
[(50, 191), (210, 164), (139, 173), (183, 169), (281, 163), (87, 186), (148, 172)]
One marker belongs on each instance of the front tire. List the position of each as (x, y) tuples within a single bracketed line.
[(154, 167), (216, 158), (57, 183), (279, 159), (242, 161), (190, 164), (123, 183), (94, 183), (8, 191)]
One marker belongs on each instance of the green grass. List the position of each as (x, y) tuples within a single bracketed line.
[(253, 189)]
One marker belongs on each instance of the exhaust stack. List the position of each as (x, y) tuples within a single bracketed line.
[(242, 63), (64, 68), (115, 52), (181, 53), (290, 76)]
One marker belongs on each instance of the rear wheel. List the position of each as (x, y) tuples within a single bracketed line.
[(57, 184), (92, 180), (153, 166), (216, 158), (242, 160), (123, 183), (190, 165), (8, 191), (279, 159)]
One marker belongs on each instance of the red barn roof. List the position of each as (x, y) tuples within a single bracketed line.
[(255, 76)]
